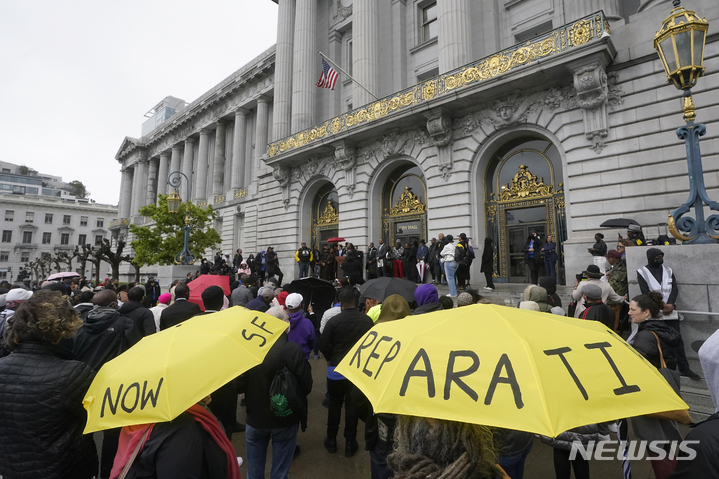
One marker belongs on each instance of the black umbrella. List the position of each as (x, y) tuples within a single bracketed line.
[(380, 288), (618, 223), (318, 292)]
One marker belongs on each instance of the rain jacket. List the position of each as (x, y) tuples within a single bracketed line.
[(539, 296), (143, 317), (42, 417), (646, 344), (104, 335), (302, 332)]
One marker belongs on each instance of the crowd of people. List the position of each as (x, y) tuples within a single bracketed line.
[(56, 338)]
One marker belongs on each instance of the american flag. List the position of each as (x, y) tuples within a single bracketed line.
[(329, 76)]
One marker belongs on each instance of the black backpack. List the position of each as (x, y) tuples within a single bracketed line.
[(460, 253), (287, 402)]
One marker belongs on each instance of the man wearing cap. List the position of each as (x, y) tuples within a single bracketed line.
[(162, 303), (594, 308), (304, 256), (599, 252), (657, 277), (302, 331), (617, 276), (635, 235), (594, 276)]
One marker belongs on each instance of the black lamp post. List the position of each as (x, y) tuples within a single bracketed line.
[(680, 45), (173, 207)]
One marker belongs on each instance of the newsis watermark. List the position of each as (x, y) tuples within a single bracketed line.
[(634, 450)]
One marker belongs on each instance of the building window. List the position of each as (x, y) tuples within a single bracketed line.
[(81, 240), (48, 218), (24, 257), (29, 217), (46, 238), (3, 274), (27, 237), (6, 236), (65, 238), (429, 26), (4, 256), (101, 222), (98, 240), (66, 219), (9, 215), (349, 57), (83, 221)]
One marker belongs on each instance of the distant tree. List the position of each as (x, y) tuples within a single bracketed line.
[(65, 258), (159, 242), (137, 267), (113, 258), (78, 189), (23, 170), (84, 254)]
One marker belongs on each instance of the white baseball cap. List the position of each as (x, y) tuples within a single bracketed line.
[(293, 301)]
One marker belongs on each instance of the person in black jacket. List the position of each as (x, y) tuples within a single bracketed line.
[(262, 424), (41, 412), (152, 291), (487, 266), (532, 256), (273, 265), (104, 335), (596, 310), (338, 337), (352, 266), (135, 310), (181, 310), (645, 311)]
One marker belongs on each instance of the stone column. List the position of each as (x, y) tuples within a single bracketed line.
[(282, 116), (188, 157), (334, 50), (399, 44), (201, 173), (140, 189), (162, 173), (304, 67), (126, 193), (151, 197), (238, 146), (365, 50), (218, 175), (455, 40), (263, 113)]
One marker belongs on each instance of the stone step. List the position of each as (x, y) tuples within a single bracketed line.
[(697, 397), (700, 413)]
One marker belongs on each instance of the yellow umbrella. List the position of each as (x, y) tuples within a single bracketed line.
[(166, 373), (505, 367)]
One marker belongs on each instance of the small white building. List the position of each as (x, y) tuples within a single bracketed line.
[(40, 219)]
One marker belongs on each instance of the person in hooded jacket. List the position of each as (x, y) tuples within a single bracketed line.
[(104, 335), (550, 284), (84, 304), (134, 309), (41, 412), (487, 265), (302, 331), (426, 297)]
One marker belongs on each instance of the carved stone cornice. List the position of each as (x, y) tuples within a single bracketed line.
[(590, 82), (439, 127)]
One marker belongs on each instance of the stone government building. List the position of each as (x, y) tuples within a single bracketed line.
[(491, 118)]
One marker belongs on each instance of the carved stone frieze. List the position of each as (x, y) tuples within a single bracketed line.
[(342, 12), (590, 82), (282, 175), (346, 159), (439, 128)]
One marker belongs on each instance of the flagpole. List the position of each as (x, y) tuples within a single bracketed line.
[(347, 74)]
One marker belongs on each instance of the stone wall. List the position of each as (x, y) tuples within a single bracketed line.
[(694, 267)]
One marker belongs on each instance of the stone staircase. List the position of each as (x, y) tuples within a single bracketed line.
[(696, 395)]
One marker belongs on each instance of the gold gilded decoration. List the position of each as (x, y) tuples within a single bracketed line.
[(219, 199), (429, 90), (557, 41), (491, 211), (241, 193), (675, 232), (329, 216), (525, 185), (408, 204), (580, 33), (606, 27), (202, 204)]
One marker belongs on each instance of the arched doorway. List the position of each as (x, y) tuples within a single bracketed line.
[(404, 205), (325, 219), (524, 194)]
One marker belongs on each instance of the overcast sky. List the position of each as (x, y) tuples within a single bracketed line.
[(77, 76)]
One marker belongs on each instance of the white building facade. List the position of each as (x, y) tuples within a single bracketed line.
[(489, 118)]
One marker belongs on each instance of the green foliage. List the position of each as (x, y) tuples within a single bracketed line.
[(159, 242), (79, 189)]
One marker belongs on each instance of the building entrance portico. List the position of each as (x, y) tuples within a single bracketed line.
[(404, 206)]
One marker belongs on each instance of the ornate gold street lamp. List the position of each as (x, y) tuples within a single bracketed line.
[(680, 45)]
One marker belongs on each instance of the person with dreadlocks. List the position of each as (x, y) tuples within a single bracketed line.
[(438, 449)]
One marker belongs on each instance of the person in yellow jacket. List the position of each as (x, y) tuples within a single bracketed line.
[(304, 256)]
